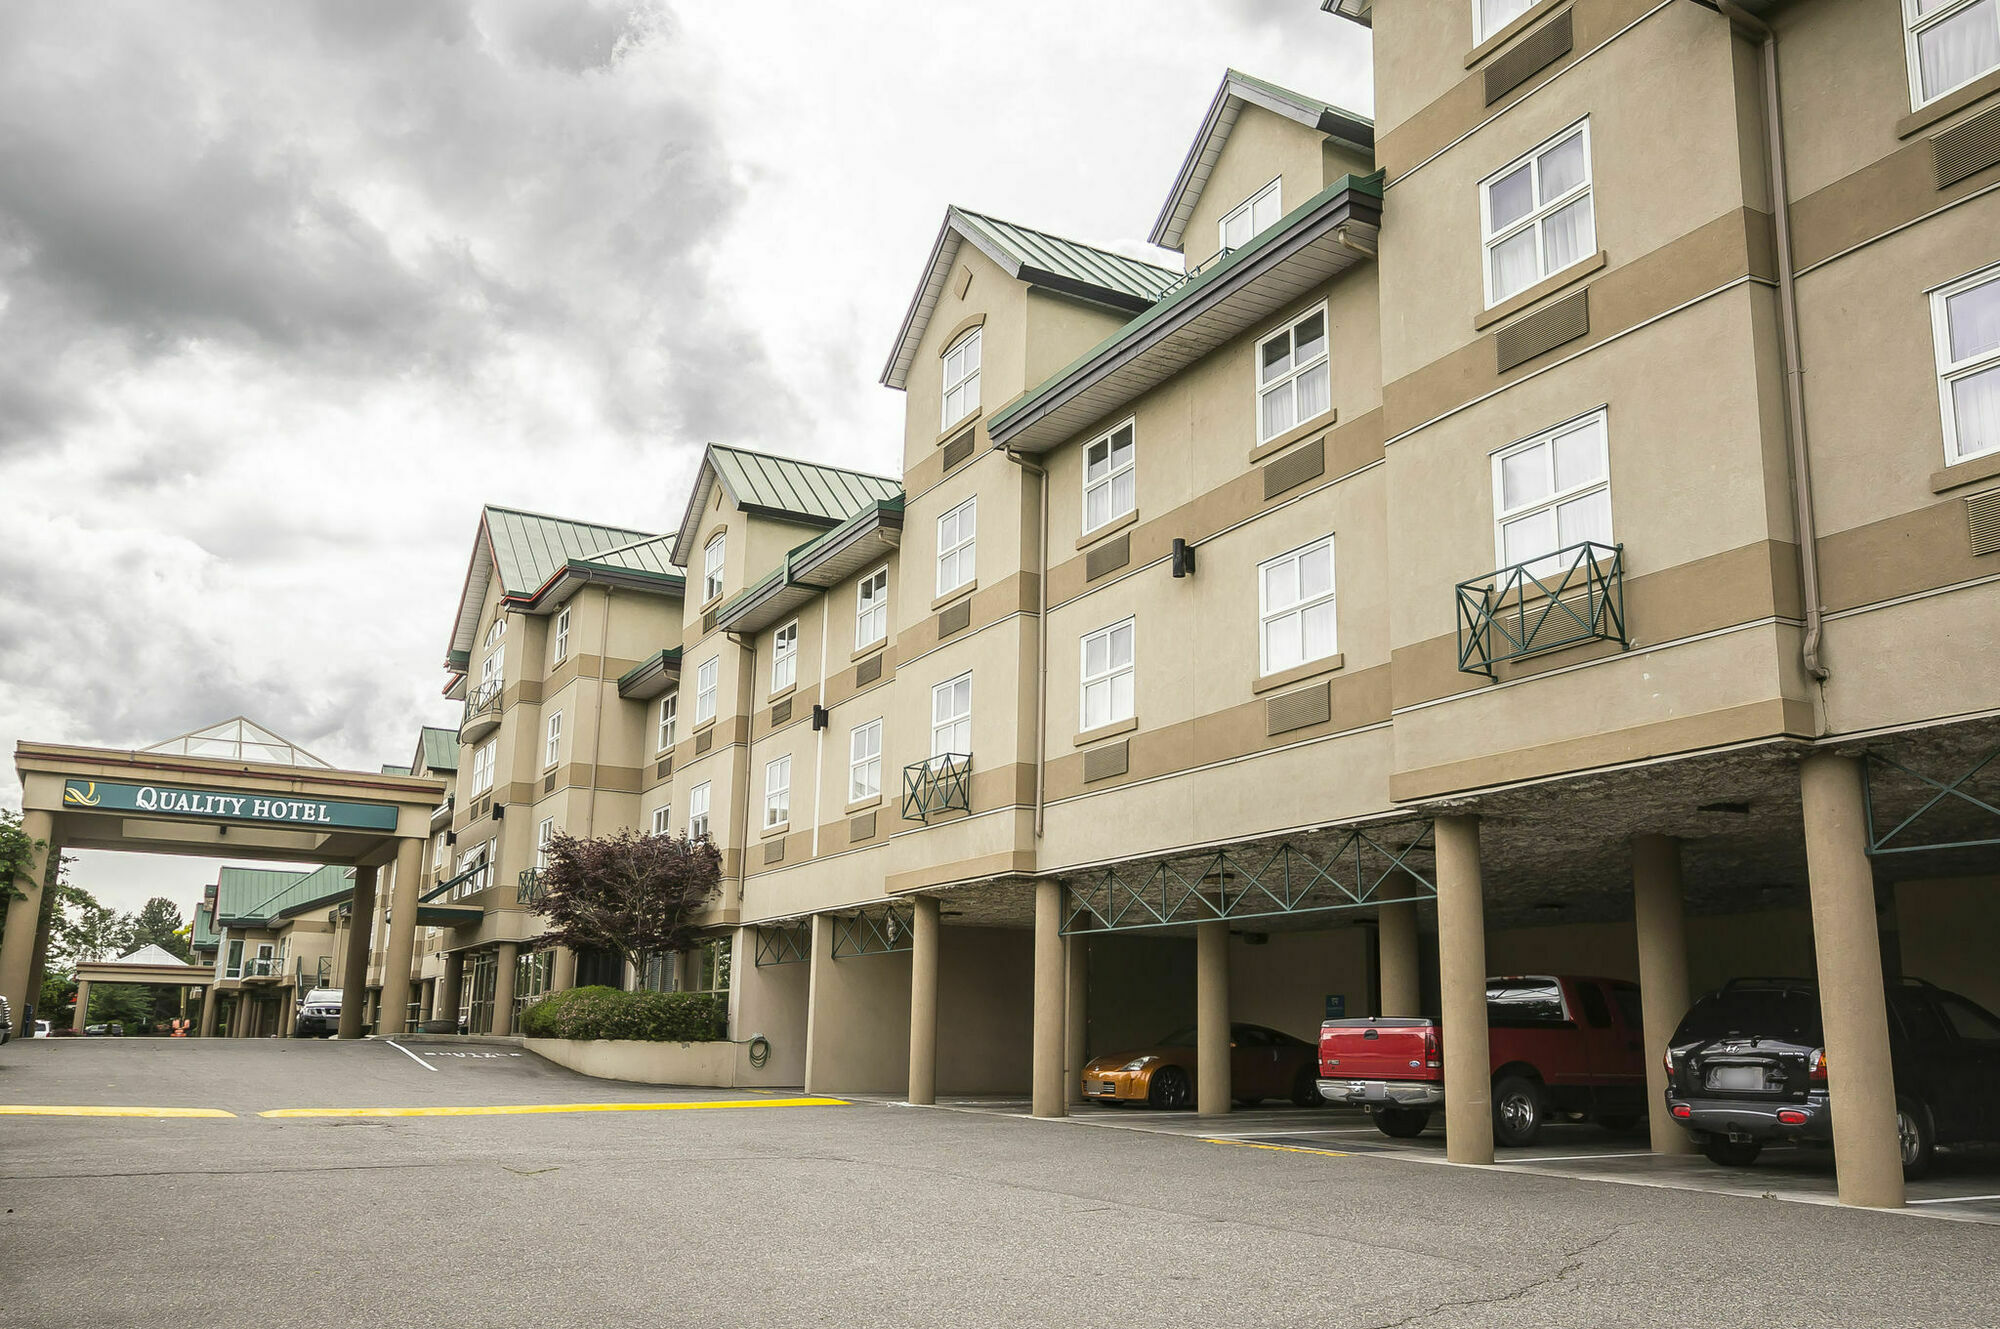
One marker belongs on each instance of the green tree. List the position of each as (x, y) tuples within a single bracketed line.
[(17, 852), (160, 924)]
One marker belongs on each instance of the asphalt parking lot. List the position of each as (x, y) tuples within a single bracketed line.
[(486, 1189)]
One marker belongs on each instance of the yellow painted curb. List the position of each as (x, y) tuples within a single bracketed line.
[(526, 1109), (37, 1110), (1281, 1148)]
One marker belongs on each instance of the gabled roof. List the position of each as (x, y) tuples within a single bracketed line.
[(824, 561), (653, 554), (203, 937), (437, 749), (262, 896), (1237, 91), (391, 768), (153, 955), (238, 739), (782, 487), (525, 550), (1036, 257)]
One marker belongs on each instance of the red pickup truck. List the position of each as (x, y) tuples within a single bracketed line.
[(1569, 1046)]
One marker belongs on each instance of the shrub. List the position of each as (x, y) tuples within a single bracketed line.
[(652, 1017)]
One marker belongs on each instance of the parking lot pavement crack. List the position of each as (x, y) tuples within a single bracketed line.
[(1573, 1260)]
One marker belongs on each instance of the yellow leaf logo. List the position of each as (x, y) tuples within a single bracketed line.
[(85, 797)]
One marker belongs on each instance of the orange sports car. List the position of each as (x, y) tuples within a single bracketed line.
[(1263, 1063)]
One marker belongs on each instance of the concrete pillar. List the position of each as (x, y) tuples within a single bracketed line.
[(445, 1004), (82, 1006), (818, 975), (239, 1015), (503, 987), (1211, 1017), (354, 971), (426, 996), (1663, 973), (208, 1011), (924, 1001), (1399, 964), (1866, 1154), (402, 943), (24, 914), (1468, 1068), (1076, 1007), (564, 975), (1049, 1100)]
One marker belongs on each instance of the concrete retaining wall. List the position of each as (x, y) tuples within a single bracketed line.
[(716, 1065)]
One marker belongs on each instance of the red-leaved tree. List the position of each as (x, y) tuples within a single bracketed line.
[(627, 892)]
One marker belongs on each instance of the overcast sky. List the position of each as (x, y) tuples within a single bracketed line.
[(288, 290)]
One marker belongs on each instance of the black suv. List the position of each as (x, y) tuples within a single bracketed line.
[(1748, 1065)]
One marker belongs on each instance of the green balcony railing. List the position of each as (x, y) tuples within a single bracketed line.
[(529, 887), (1576, 594), (942, 784)]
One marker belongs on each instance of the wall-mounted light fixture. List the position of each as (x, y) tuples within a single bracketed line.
[(1183, 558), (820, 718)]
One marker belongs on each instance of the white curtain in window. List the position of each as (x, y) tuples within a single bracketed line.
[(1497, 14), (1960, 48), (1514, 264), (1568, 236), (1975, 401)]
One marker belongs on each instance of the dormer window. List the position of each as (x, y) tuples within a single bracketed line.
[(961, 379), (1257, 212), (711, 566)]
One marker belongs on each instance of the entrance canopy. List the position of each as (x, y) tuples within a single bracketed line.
[(148, 964)]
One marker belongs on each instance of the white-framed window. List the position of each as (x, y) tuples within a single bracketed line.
[(492, 675), (1552, 491), (1489, 16), (562, 635), (1110, 481), (662, 815), (1965, 321), (552, 746), (543, 834), (698, 812), (871, 608), (496, 630), (961, 379), (958, 532), (785, 657), (483, 758), (704, 689), (712, 556), (1537, 214), (1107, 676), (1295, 607), (475, 870), (777, 791), (864, 761), (1292, 369), (951, 716), (1251, 216), (670, 713), (1951, 43)]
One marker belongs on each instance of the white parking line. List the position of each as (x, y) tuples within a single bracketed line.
[(1957, 1199), (1568, 1158), (1283, 1130), (412, 1056)]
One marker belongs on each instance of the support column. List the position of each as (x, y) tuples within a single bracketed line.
[(1468, 1067), (1211, 1018), (1076, 1007), (446, 1003), (82, 1017), (354, 971), (1867, 1157), (24, 915), (503, 987), (426, 998), (402, 943), (1049, 1098), (564, 976), (1663, 974), (924, 1002), (208, 1011), (1399, 965), (818, 973), (239, 1015)]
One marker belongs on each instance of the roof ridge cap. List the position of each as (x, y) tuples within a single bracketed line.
[(800, 461), (550, 516)]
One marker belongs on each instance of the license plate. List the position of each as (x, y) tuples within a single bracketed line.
[(1736, 1077), (1107, 1087)]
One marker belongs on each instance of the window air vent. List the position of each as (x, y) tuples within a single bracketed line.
[(1967, 148), (704, 741), (1525, 338), (549, 783), (955, 619), (664, 769), (868, 670), (1530, 56), (1101, 763), (774, 850), (958, 450), (1296, 710), (782, 712), (1107, 557), (708, 621), (1295, 468), (861, 828), (1982, 513)]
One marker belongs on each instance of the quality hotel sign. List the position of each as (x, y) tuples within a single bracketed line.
[(222, 805)]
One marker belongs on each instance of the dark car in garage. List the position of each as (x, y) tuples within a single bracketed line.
[(1748, 1067), (1263, 1063)]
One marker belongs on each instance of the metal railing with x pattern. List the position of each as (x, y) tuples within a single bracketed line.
[(875, 930), (1573, 595), (1252, 882), (1906, 837), (791, 944)]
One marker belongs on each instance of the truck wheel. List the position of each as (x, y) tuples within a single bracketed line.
[(1914, 1138), (1305, 1089), (1725, 1152), (1401, 1123), (1169, 1089), (1517, 1111)]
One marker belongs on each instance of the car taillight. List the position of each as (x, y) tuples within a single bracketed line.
[(1682, 1111), (1816, 1065), (1791, 1116), (1433, 1053)]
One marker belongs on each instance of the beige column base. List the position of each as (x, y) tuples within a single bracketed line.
[(1657, 917), (1051, 986), (445, 1004), (208, 1011), (924, 1002), (1399, 965), (1077, 1013), (1867, 1156), (1211, 1018), (563, 977), (354, 968), (1468, 1067), (503, 987), (401, 944), (82, 1016)]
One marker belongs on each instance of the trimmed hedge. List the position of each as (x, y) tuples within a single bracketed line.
[(650, 1017)]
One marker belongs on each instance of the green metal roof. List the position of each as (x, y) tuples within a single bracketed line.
[(390, 768), (1192, 289), (204, 936), (320, 887), (801, 557), (788, 487), (263, 894), (1054, 255), (653, 554), (438, 749), (529, 548)]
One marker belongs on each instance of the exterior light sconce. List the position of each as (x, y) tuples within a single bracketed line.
[(820, 718), (499, 812), (1183, 558)]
